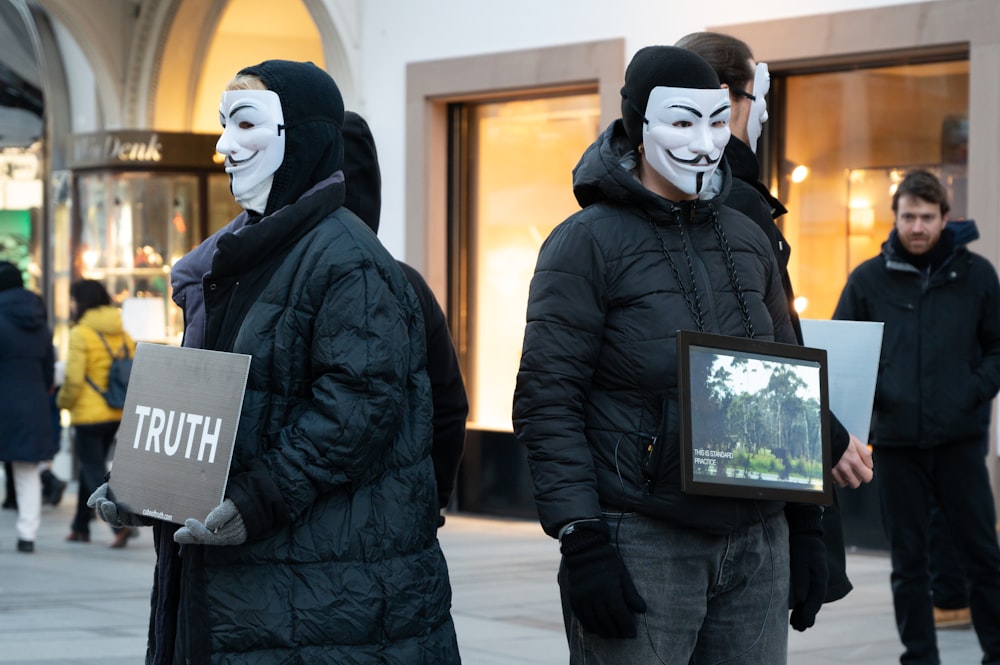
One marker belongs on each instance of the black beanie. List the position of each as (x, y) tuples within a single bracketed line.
[(361, 171), (10, 276), (313, 109), (654, 66)]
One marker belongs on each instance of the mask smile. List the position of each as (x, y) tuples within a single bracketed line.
[(232, 162)]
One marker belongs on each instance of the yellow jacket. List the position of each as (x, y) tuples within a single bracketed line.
[(88, 357)]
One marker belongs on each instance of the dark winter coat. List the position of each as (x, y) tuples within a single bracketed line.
[(751, 197), (598, 374), (940, 362), (331, 471), (364, 198), (451, 405), (26, 376)]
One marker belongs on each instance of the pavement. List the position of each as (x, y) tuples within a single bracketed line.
[(76, 604)]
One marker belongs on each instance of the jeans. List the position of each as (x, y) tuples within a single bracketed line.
[(955, 475), (93, 444), (710, 598)]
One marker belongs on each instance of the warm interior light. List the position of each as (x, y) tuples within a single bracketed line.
[(801, 302), (800, 173), (860, 217)]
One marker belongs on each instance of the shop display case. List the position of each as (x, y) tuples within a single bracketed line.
[(142, 201), (133, 227)]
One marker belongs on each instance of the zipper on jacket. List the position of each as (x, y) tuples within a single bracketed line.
[(649, 463)]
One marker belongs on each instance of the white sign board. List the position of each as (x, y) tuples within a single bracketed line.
[(175, 442), (853, 349)]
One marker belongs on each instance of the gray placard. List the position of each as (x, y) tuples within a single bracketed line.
[(175, 442)]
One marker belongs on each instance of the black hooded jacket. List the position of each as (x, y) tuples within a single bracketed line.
[(451, 404), (596, 396), (363, 196), (331, 470)]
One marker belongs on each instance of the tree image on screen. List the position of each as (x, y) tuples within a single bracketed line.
[(755, 420)]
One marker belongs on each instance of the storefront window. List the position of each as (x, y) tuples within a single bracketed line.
[(134, 226), (848, 138), (521, 159)]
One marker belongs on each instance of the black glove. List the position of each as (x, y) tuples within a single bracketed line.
[(807, 555), (600, 591)]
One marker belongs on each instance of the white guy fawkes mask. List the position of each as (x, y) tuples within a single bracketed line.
[(685, 134), (758, 107), (253, 142)]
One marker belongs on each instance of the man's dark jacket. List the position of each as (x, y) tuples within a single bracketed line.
[(451, 404), (749, 195), (940, 360)]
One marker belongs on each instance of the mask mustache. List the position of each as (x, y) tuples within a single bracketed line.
[(708, 161)]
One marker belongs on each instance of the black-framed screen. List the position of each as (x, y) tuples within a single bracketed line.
[(755, 419)]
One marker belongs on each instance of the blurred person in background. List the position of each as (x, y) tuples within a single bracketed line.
[(26, 378), (939, 372), (96, 334)]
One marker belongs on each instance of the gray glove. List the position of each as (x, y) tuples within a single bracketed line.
[(104, 502), (223, 526)]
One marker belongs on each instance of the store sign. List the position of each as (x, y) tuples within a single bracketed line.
[(177, 432), (137, 148), (114, 149)]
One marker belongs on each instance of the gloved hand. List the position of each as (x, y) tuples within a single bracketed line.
[(223, 526), (103, 502), (601, 592), (809, 577)]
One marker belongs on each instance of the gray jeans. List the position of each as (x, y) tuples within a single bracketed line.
[(711, 599)]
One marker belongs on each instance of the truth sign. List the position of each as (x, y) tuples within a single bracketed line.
[(178, 427)]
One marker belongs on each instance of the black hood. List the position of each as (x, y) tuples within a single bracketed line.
[(313, 111), (361, 171), (23, 309)]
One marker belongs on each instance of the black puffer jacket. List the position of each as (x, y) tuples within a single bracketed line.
[(940, 362), (331, 471), (598, 374)]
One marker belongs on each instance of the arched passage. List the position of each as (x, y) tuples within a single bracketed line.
[(209, 42)]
